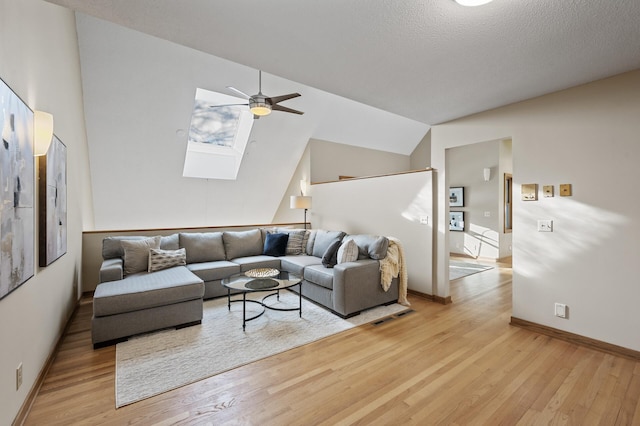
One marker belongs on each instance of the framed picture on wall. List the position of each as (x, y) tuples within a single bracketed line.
[(17, 189), (456, 221), (456, 196)]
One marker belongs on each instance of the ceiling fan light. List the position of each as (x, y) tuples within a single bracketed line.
[(260, 108), (472, 2)]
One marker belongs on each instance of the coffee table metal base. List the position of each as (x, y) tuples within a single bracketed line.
[(262, 303)]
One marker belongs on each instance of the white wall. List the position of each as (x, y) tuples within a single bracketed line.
[(465, 168), (388, 205), (331, 160), (586, 136), (506, 166), (39, 61)]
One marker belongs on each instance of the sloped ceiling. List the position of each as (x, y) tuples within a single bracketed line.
[(429, 60), (403, 66)]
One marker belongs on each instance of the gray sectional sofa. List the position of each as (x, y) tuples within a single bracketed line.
[(188, 267)]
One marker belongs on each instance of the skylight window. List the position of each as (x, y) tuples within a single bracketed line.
[(218, 136)]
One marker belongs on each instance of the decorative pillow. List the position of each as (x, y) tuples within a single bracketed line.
[(324, 239), (276, 244), (136, 254), (378, 250), (348, 252), (296, 239), (242, 243), (162, 259), (330, 256), (202, 246)]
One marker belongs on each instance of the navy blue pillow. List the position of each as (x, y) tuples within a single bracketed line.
[(276, 244)]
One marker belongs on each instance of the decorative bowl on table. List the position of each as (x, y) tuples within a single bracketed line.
[(262, 273)]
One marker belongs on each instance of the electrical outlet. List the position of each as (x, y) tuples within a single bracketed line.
[(19, 376)]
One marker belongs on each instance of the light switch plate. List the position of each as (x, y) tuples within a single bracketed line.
[(545, 225), (547, 190), (565, 190), (529, 191)]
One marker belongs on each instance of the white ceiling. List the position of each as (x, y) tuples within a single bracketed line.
[(428, 60)]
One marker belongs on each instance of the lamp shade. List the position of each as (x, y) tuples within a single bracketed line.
[(300, 202), (42, 132)]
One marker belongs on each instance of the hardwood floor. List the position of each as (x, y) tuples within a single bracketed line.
[(442, 364)]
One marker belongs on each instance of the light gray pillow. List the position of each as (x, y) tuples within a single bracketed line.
[(202, 246), (296, 240), (348, 252), (136, 254), (370, 246), (324, 239), (242, 243), (112, 246), (162, 259)]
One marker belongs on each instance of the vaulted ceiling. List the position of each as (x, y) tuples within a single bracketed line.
[(428, 60)]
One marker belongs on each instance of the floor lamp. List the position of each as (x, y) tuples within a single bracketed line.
[(301, 202)]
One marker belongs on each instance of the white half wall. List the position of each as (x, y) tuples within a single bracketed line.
[(392, 206), (588, 137), (39, 61)]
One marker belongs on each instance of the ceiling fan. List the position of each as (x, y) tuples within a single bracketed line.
[(261, 104)]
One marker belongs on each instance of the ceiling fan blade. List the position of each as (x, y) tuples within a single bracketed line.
[(226, 105), (285, 109), (277, 99), (240, 92)]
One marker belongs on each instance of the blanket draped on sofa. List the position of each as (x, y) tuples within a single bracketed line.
[(393, 265)]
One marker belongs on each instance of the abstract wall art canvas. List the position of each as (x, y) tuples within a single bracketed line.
[(52, 185), (17, 187)]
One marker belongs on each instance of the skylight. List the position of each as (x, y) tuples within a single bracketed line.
[(218, 136)]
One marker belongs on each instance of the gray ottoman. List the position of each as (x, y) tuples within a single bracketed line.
[(145, 302)]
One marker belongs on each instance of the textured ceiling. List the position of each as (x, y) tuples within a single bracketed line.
[(429, 60)]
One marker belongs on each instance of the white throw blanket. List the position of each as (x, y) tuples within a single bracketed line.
[(393, 265)]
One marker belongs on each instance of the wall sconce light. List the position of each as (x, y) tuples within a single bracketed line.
[(303, 187), (301, 202), (487, 174), (43, 131)]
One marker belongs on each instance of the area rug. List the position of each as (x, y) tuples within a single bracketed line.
[(459, 269), (154, 363)]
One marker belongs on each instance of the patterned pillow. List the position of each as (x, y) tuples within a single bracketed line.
[(136, 253), (348, 252), (162, 259), (296, 243)]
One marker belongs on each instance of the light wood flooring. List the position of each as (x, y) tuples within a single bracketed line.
[(459, 364)]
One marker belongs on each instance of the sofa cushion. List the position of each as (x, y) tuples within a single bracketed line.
[(213, 271), (296, 264), (202, 246), (323, 239), (319, 275), (348, 252), (112, 246), (136, 254), (296, 240), (147, 290), (330, 256), (276, 244), (170, 242), (162, 259), (370, 246), (252, 262), (242, 243)]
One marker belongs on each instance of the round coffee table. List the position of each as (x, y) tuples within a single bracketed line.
[(244, 284)]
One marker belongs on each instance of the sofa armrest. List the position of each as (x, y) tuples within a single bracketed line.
[(356, 286), (112, 270)]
